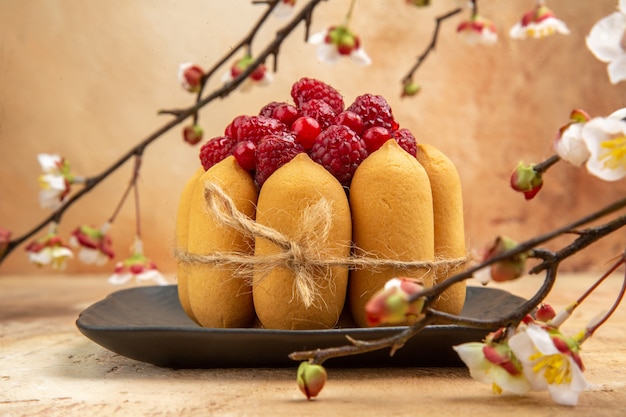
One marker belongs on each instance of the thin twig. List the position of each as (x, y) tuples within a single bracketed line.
[(272, 48), (431, 46)]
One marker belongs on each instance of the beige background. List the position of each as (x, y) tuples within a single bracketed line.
[(86, 78)]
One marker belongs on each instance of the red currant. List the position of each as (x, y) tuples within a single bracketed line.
[(245, 154), (306, 129), (351, 120), (286, 113), (233, 127), (374, 137)]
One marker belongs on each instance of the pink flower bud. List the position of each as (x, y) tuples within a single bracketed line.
[(192, 134), (190, 77), (391, 304), (311, 379), (545, 313), (526, 180), (508, 269)]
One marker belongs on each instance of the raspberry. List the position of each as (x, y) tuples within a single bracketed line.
[(374, 137), (375, 111), (215, 150), (255, 127), (340, 151), (320, 111), (274, 151), (406, 140), (307, 89)]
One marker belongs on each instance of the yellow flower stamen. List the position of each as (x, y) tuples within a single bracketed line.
[(496, 389), (615, 155), (555, 368)]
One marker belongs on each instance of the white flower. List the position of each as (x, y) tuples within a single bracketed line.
[(284, 9), (606, 42), (500, 372), (259, 77), (571, 147), (606, 140), (539, 22), (478, 31), (49, 250), (54, 188), (55, 180), (547, 367), (336, 42), (137, 267)]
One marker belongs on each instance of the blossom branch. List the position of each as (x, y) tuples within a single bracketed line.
[(305, 15), (550, 263), (408, 78)]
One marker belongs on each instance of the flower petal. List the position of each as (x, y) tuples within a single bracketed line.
[(360, 57), (617, 69), (605, 37)]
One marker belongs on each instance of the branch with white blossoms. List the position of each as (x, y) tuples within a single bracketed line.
[(401, 299), (55, 167)]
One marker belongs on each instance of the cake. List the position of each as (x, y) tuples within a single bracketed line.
[(299, 214)]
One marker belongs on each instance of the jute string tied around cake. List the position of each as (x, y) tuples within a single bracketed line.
[(306, 253)]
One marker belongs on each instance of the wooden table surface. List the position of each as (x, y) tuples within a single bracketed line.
[(47, 367)]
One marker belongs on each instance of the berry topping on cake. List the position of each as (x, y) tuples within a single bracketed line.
[(406, 140), (320, 111), (286, 113), (255, 127), (233, 127), (245, 154), (350, 119), (306, 130), (340, 151), (374, 110), (338, 139), (274, 151), (269, 108), (374, 137), (215, 150), (308, 88)]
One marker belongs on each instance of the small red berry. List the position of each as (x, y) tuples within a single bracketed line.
[(245, 154), (215, 150), (286, 113), (306, 129), (273, 151), (340, 151), (375, 137), (350, 119), (233, 127)]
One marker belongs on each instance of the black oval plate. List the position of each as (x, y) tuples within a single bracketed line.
[(148, 324)]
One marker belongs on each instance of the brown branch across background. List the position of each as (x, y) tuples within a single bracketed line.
[(304, 15)]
